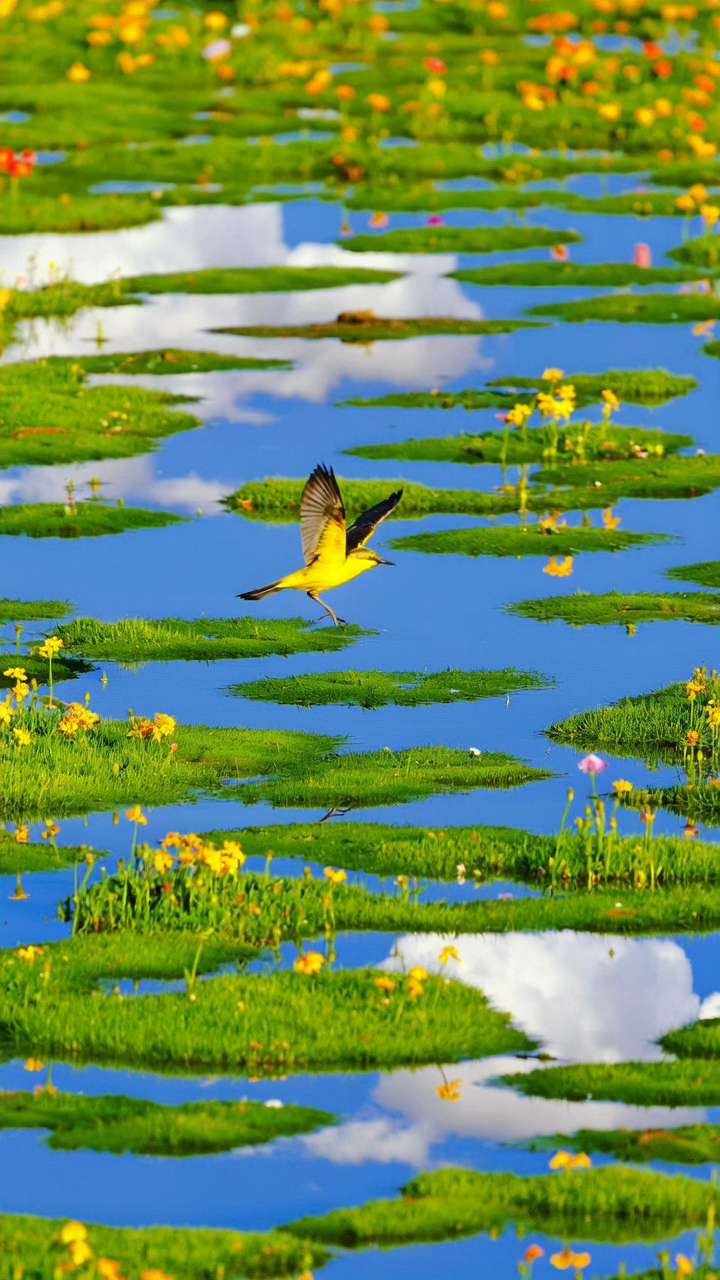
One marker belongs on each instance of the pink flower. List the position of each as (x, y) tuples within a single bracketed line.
[(216, 49), (379, 220), (643, 255), (592, 764), (560, 253), (435, 220)]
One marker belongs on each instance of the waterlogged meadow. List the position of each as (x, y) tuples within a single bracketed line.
[(380, 941)]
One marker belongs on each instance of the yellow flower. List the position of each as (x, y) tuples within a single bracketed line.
[(609, 520), (710, 213), (645, 115), (335, 877), (310, 963), (6, 712), (136, 815), (698, 192), (559, 569), (449, 1092), (685, 203), (78, 73), (518, 415), (569, 1259), (80, 1252), (552, 375), (415, 988), (684, 1266), (611, 402), (163, 727), (418, 973), (16, 673), (385, 984), (22, 737), (437, 88), (72, 1232), (561, 1160), (173, 840), (621, 787), (53, 643), (162, 862), (34, 1064), (449, 953), (21, 834), (215, 21), (28, 954), (379, 102), (610, 110), (108, 1269)]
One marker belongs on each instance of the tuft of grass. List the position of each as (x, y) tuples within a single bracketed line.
[(629, 610), (688, 1144), (119, 1124), (16, 858), (38, 668), (172, 360), (699, 1039), (523, 540), (31, 1246), (276, 1022), (377, 329), (371, 689), (34, 610), (686, 1083), (610, 275), (698, 801), (611, 1203), (49, 415), (487, 853), (629, 308), (703, 251), (137, 640), (706, 572), (428, 198), (64, 298), (632, 386), (279, 500), (83, 213), (639, 477), (256, 279), (459, 240), (82, 520), (712, 348)]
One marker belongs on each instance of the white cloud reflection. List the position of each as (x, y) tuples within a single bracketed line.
[(133, 479)]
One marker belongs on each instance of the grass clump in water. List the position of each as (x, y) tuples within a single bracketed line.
[(36, 667), (612, 1203), (34, 610), (459, 240), (705, 572), (687, 1083), (364, 327), (650, 477), (704, 251), (173, 360), (699, 1039), (629, 610), (137, 640), (82, 520), (31, 1246), (688, 1144), (522, 540), (50, 415), (279, 500), (271, 1022), (697, 800), (629, 308), (632, 386), (371, 689), (611, 275), (256, 279), (712, 348), (16, 858), (119, 1124)]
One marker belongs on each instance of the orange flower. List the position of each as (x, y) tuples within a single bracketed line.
[(385, 984), (345, 91), (450, 1091), (310, 963), (379, 102), (532, 1253)]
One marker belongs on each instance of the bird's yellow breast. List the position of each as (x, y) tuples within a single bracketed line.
[(323, 576)]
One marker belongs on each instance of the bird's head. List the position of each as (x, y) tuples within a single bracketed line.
[(374, 558)]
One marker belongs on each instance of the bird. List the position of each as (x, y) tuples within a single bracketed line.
[(333, 553)]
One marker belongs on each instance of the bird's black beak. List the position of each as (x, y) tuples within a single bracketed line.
[(381, 561)]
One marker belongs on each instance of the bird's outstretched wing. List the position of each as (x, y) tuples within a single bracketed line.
[(363, 528), (322, 517)]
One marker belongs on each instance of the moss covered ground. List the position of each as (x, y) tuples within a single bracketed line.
[(687, 1144), (138, 640), (378, 329), (34, 610), (704, 572), (102, 768), (172, 360), (255, 279), (630, 308), (459, 240), (50, 415), (578, 275), (672, 477), (584, 609), (686, 1083), (632, 386), (522, 540), (612, 1203), (81, 520), (119, 1124), (32, 1245), (273, 1022), (370, 689)]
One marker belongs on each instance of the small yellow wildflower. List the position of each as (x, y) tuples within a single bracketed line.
[(335, 877), (136, 815)]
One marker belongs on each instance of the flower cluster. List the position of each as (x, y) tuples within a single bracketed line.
[(162, 726), (192, 850), (77, 718)]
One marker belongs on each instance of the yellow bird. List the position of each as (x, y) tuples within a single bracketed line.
[(333, 554)]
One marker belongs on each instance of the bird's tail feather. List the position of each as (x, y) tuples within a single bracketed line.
[(261, 592)]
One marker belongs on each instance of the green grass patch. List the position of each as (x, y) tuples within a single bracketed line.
[(704, 251), (61, 777), (700, 1039), (174, 360), (34, 610), (279, 500), (371, 689), (672, 477), (82, 520), (687, 1083), (653, 725), (271, 1022), (31, 1246), (698, 801), (608, 1204), (629, 610), (706, 572), (119, 1124), (38, 856), (632, 386), (256, 279), (428, 198), (575, 275), (83, 212), (64, 298), (688, 1144), (629, 308), (487, 853), (377, 329), (138, 640), (49, 415), (712, 348), (459, 240), (37, 668), (522, 540)]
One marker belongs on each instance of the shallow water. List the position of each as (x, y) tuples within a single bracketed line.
[(583, 997)]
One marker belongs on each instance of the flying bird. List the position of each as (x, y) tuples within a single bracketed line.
[(333, 554)]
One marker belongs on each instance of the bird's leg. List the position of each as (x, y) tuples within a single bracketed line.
[(339, 622)]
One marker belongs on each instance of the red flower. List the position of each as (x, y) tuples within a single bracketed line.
[(652, 50), (434, 64), (663, 68)]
